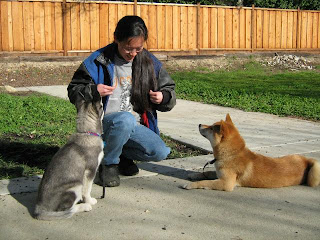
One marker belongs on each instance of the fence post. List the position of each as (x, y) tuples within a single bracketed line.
[(135, 7), (253, 26), (64, 27), (198, 28)]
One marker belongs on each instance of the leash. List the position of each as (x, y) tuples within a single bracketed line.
[(103, 181), (209, 162)]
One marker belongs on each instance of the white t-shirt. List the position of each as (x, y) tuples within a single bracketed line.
[(122, 79)]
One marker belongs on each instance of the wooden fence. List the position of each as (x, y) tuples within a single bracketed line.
[(64, 27)]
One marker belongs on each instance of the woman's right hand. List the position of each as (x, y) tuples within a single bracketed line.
[(105, 90)]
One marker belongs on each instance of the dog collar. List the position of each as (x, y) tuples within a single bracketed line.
[(97, 135), (94, 134)]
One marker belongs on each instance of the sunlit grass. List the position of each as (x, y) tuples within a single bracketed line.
[(254, 88)]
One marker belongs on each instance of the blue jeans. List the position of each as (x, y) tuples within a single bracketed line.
[(123, 135)]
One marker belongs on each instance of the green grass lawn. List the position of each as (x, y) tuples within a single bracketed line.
[(32, 130), (255, 88), (33, 127)]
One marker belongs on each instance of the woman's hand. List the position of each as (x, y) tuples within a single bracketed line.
[(155, 97), (105, 90)]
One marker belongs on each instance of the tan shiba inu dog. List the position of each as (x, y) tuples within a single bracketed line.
[(236, 165)]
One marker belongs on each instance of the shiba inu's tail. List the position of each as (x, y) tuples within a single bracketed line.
[(314, 173), (42, 214)]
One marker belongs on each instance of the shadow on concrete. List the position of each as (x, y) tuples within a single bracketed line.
[(24, 190)]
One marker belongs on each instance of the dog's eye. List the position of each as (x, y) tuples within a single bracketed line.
[(216, 128)]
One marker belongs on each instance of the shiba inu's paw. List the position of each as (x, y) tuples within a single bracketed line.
[(187, 186)]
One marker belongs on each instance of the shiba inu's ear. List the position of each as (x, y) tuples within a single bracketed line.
[(228, 119), (224, 130)]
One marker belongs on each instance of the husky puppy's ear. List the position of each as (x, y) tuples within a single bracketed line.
[(90, 93), (94, 93)]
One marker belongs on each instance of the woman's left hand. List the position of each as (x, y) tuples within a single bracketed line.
[(155, 97)]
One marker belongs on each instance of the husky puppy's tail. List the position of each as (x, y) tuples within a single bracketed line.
[(42, 214), (314, 173)]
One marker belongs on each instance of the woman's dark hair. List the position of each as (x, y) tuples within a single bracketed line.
[(143, 75), (143, 80), (130, 26)]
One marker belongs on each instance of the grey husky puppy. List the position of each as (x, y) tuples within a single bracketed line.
[(69, 176)]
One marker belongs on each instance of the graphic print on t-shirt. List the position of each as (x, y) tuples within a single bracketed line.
[(122, 80), (125, 94)]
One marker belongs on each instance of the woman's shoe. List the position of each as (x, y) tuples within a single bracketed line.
[(127, 167), (111, 175)]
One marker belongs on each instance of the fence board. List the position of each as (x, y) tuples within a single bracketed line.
[(295, 30), (152, 27), (160, 29), (235, 28), (58, 26), (248, 29), (122, 9), (272, 30), (38, 12), (130, 10), (184, 27), (27, 25), (94, 26), (113, 19), (168, 28), (205, 30), (303, 38), (192, 28), (284, 29), (10, 30), (143, 13), (228, 24), (290, 30), (176, 28), (17, 24), (103, 25), (84, 26), (242, 29), (314, 30), (318, 30), (309, 30), (259, 28), (265, 35), (278, 29), (221, 28), (4, 26), (214, 28), (68, 37), (49, 26), (75, 27), (0, 29)]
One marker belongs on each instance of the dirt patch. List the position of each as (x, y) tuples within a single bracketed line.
[(25, 74), (45, 73)]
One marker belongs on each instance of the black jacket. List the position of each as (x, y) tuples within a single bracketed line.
[(98, 68)]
